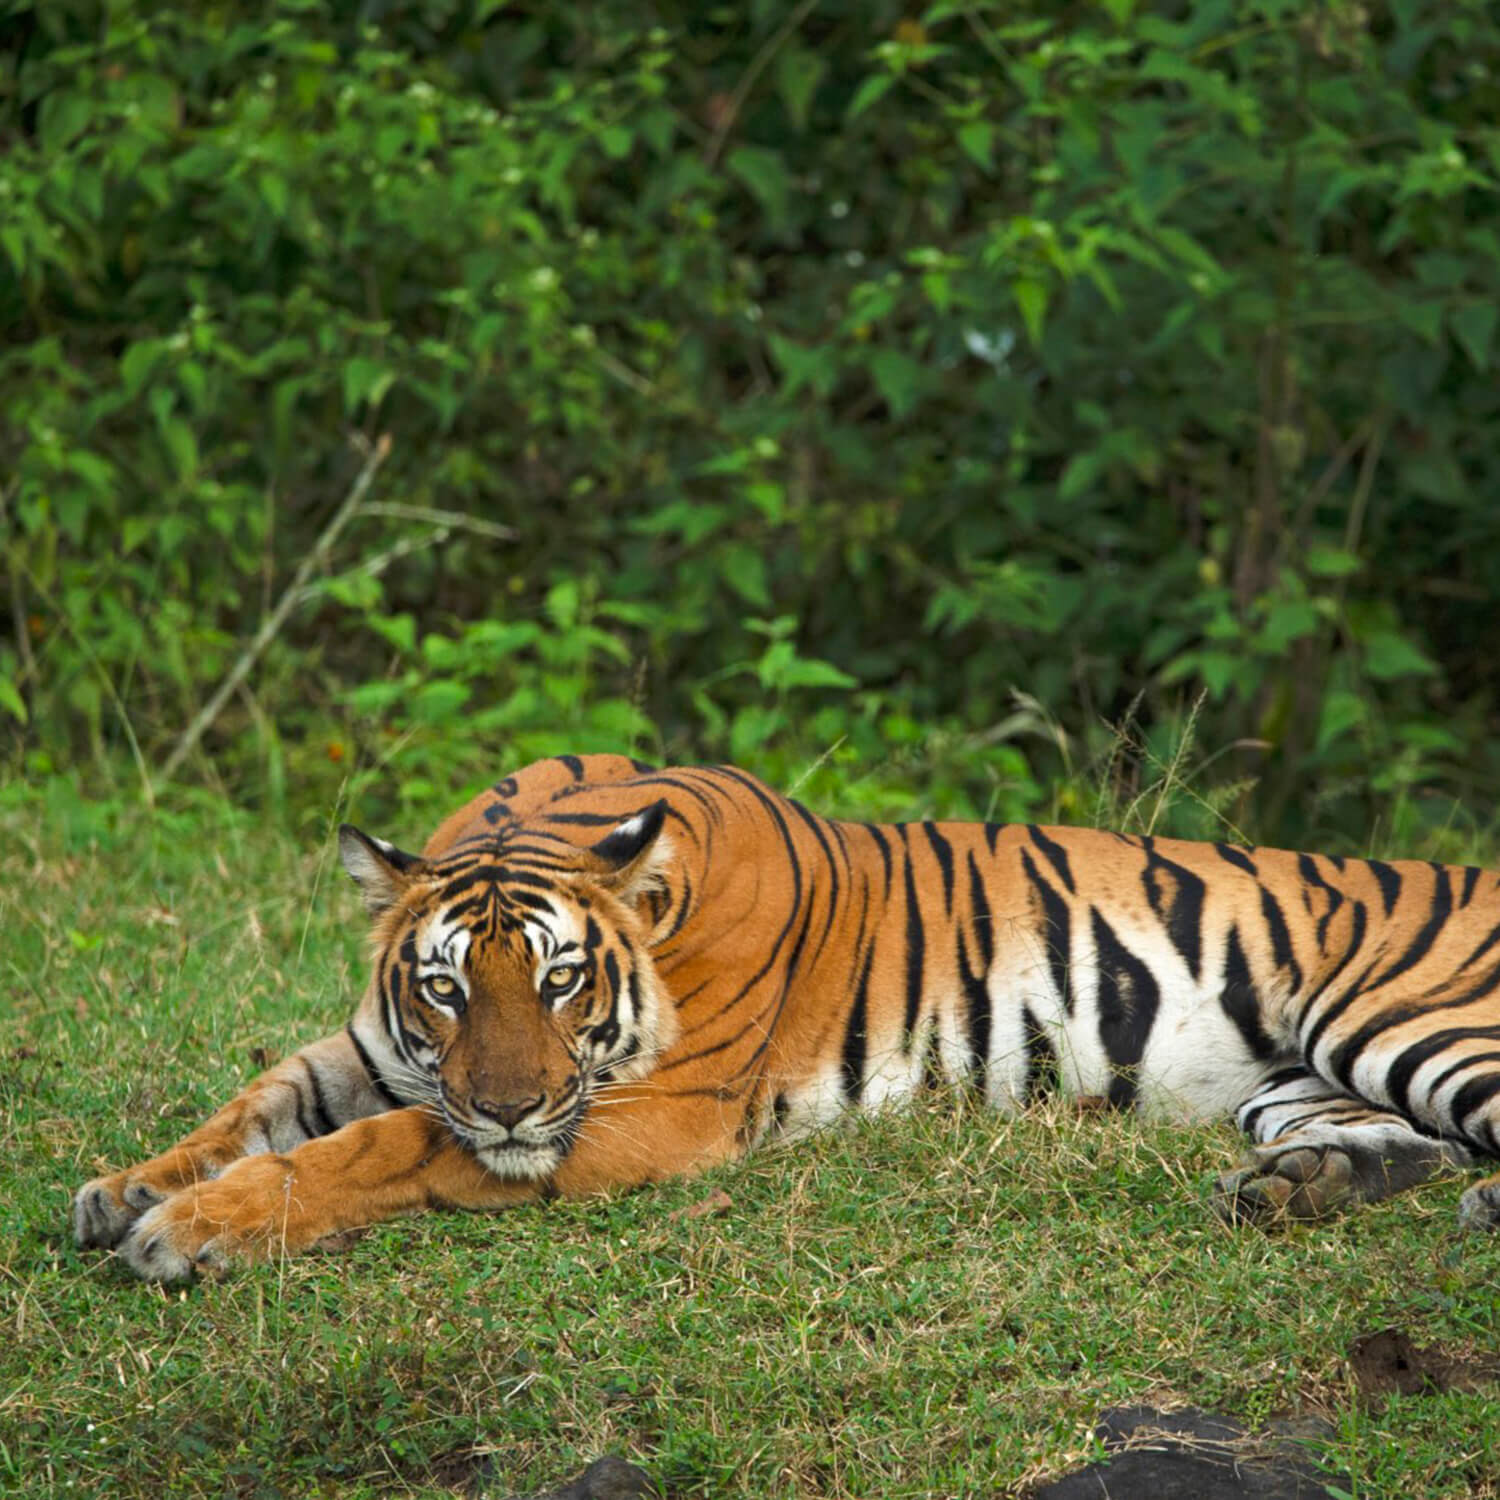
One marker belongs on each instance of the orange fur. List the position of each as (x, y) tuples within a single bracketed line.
[(597, 974)]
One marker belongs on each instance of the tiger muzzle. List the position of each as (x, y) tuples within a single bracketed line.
[(508, 1113)]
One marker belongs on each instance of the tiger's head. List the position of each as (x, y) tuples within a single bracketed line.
[(512, 980)]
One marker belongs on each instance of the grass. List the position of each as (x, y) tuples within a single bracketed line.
[(937, 1304)]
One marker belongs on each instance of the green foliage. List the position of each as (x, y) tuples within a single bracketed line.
[(836, 371)]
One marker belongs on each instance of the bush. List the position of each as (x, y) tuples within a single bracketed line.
[(834, 371)]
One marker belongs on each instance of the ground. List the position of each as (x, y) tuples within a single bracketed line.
[(936, 1304)]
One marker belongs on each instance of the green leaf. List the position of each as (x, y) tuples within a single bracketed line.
[(1323, 561), (873, 89), (137, 363), (1031, 297), (1424, 318), (1474, 328), (899, 379), (765, 174), (365, 380), (399, 630), (817, 366), (63, 116), (1082, 473), (976, 138), (11, 699), (1389, 655), (744, 570), (181, 444), (1342, 711), (617, 141), (798, 74), (805, 671), (1287, 621)]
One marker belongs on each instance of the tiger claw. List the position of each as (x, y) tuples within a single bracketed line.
[(1304, 1183)]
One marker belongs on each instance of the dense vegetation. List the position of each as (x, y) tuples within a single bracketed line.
[(931, 388)]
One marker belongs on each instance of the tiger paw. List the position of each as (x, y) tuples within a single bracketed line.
[(240, 1216), (1479, 1208), (104, 1209), (1303, 1183)]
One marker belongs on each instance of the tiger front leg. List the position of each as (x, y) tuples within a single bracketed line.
[(283, 1202), (312, 1093)]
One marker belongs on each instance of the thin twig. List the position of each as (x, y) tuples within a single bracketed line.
[(373, 567), (88, 654), (453, 520), (747, 81), (272, 624)]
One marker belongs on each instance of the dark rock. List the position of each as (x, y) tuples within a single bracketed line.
[(1187, 1455), (607, 1478)]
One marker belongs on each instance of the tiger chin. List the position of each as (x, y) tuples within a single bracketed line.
[(597, 974)]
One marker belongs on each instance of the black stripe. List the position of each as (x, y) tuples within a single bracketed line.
[(573, 764), (306, 1126), (1057, 933), (1240, 1001), (1389, 881), (1041, 1058), (977, 1020), (1472, 1096), (381, 1087), (1438, 912), (1128, 1002), (1482, 948), (979, 917), (1281, 938), (1236, 857), (321, 1116), (1404, 1069), (992, 832), (1313, 877), (884, 845), (943, 852), (1057, 856), (1353, 993), (1178, 906), (814, 825), (1471, 879), (915, 945)]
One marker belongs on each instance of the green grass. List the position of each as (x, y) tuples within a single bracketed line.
[(938, 1304)]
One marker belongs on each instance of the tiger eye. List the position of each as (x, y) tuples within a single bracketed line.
[(560, 977), (442, 987)]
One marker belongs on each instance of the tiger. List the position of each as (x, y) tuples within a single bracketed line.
[(598, 974)]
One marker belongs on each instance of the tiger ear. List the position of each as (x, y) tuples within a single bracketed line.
[(380, 870), (633, 853)]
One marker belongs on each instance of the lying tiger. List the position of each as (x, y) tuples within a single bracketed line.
[(598, 974)]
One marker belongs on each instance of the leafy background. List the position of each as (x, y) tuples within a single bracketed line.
[(977, 408)]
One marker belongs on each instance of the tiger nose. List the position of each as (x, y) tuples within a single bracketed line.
[(507, 1113)]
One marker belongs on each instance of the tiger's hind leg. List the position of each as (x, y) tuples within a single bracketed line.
[(1319, 1149)]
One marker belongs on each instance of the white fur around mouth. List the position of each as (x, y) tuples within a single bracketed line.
[(519, 1160)]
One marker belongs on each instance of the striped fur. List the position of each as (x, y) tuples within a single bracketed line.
[(597, 974)]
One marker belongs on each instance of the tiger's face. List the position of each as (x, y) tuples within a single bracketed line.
[(513, 982)]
